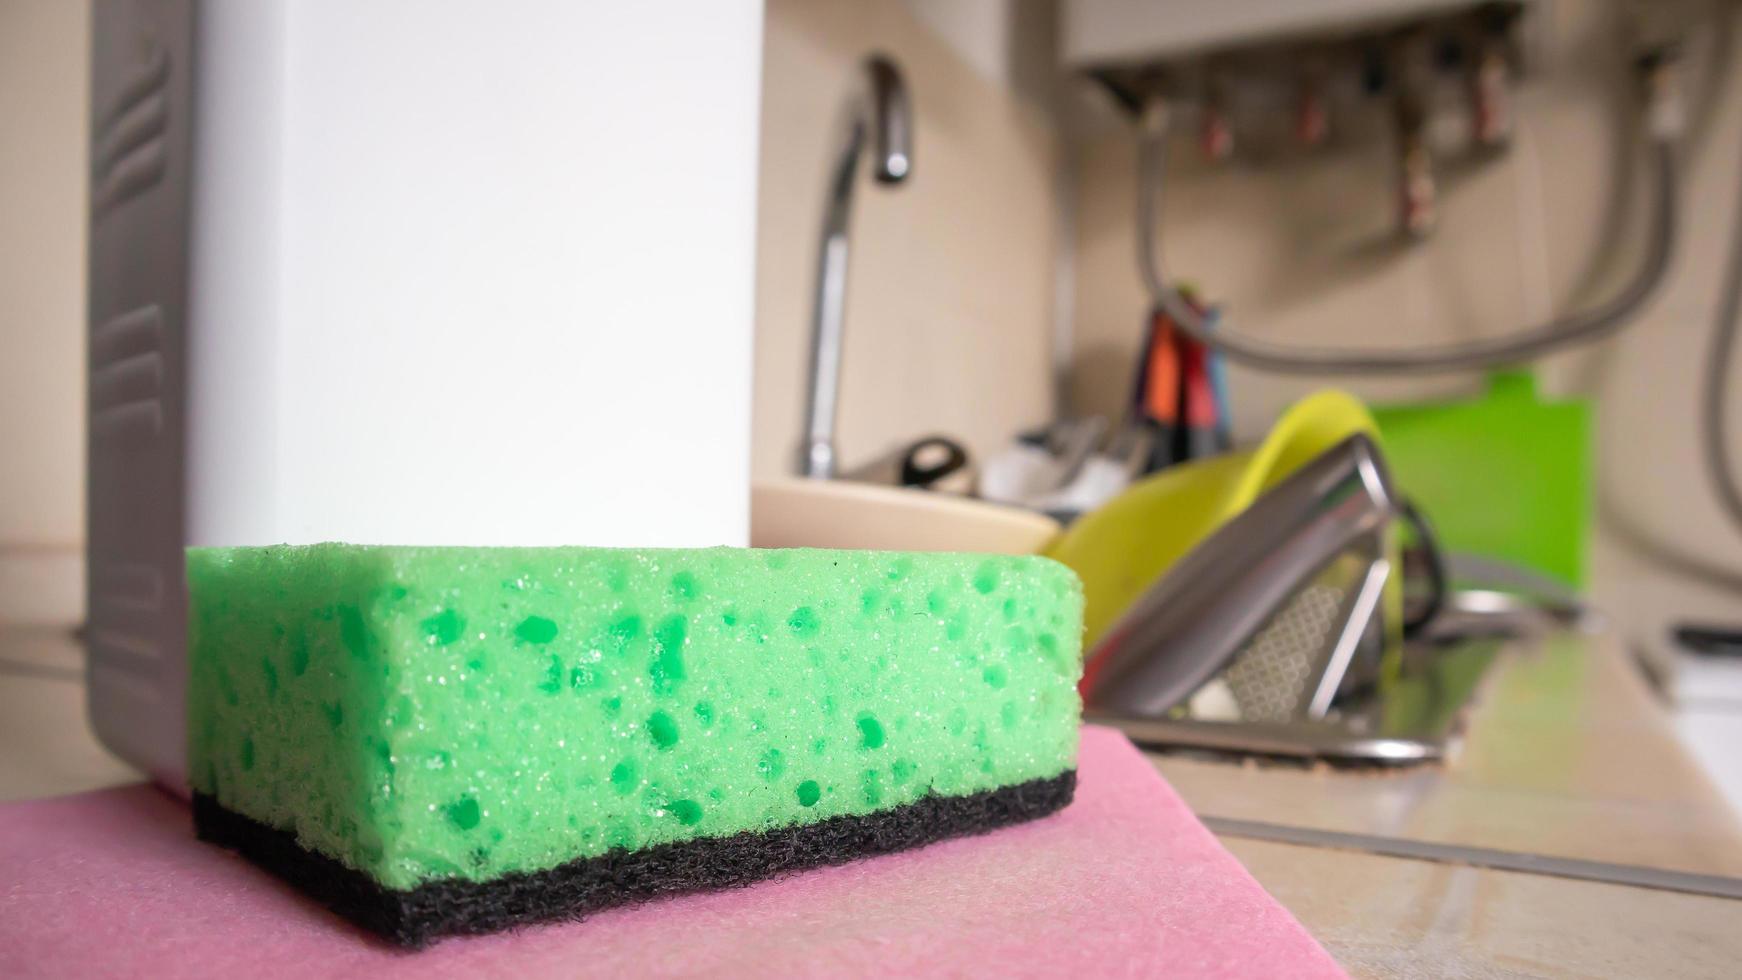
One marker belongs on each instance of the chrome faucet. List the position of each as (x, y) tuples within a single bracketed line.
[(878, 108)]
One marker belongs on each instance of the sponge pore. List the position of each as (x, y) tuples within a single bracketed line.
[(460, 714)]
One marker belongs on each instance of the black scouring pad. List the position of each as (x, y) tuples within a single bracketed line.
[(458, 906)]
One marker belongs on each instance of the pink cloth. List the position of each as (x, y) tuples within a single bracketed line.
[(1124, 882)]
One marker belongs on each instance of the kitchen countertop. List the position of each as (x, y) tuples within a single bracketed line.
[(46, 748), (1568, 756)]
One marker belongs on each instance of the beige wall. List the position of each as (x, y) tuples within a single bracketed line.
[(1294, 249), (949, 298), (43, 82)]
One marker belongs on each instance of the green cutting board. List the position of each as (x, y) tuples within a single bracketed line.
[(1506, 475)]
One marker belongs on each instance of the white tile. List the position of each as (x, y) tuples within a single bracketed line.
[(46, 748), (1715, 739)]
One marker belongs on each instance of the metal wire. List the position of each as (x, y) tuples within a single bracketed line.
[(1715, 428), (1593, 324)]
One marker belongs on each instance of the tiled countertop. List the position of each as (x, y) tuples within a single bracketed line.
[(46, 748), (1568, 756)]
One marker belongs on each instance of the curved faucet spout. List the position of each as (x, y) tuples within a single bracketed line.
[(879, 104), (891, 120)]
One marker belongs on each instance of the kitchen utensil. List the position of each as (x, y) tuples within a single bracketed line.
[(923, 463), (1176, 396), (1041, 467), (1487, 597), (1019, 474), (1708, 640), (1254, 571), (1122, 547), (1076, 441)]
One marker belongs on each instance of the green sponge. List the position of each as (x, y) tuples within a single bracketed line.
[(414, 717)]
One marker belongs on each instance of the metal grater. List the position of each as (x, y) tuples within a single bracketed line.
[(1272, 678), (1262, 577), (1292, 665), (1304, 654)]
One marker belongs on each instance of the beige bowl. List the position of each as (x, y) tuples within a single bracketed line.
[(795, 513)]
